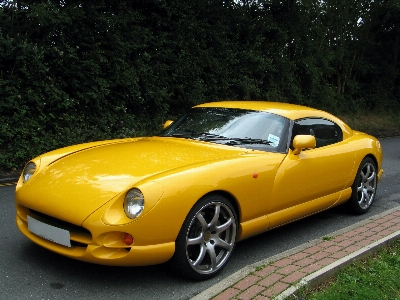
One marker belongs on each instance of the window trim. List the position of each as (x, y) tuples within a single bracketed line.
[(334, 124)]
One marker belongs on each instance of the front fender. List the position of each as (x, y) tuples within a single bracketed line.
[(247, 178)]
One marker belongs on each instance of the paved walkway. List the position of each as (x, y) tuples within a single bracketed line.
[(280, 276)]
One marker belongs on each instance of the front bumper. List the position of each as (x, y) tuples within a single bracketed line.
[(85, 247)]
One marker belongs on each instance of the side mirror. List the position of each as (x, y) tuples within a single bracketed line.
[(301, 142), (167, 123)]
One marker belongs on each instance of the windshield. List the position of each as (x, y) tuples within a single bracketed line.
[(234, 127)]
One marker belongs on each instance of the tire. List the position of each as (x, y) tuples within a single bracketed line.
[(364, 187), (206, 240)]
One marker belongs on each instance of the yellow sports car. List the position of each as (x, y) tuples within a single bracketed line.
[(221, 173)]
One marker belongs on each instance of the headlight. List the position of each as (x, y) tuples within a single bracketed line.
[(28, 171), (134, 203)]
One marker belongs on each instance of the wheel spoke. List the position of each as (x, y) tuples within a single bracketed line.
[(223, 244), (224, 226), (213, 257), (361, 192), (363, 176), (195, 241), (371, 189), (200, 258), (366, 197), (202, 221), (214, 221), (368, 170), (371, 178)]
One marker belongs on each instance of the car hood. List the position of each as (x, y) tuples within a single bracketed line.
[(74, 186)]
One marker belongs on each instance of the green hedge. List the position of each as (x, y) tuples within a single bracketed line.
[(72, 71)]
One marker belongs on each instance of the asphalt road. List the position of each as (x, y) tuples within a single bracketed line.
[(30, 272)]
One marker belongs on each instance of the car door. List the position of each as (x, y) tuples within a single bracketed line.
[(313, 179)]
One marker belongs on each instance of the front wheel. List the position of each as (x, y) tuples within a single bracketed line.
[(364, 187), (206, 240)]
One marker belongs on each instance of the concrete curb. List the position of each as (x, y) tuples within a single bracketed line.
[(317, 276)]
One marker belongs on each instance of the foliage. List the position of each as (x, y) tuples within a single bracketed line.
[(74, 71)]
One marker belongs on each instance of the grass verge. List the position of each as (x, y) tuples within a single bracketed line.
[(377, 277)]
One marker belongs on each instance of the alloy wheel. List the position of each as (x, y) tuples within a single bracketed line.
[(211, 237), (367, 185)]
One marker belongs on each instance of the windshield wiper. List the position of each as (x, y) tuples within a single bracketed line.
[(236, 141), (181, 134), (210, 137), (206, 136), (203, 136)]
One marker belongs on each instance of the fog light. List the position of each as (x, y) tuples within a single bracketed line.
[(128, 239)]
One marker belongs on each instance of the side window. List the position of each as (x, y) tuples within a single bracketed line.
[(326, 132)]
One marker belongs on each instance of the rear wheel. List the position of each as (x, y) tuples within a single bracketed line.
[(364, 187), (206, 240)]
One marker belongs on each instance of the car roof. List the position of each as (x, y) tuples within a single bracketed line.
[(290, 111)]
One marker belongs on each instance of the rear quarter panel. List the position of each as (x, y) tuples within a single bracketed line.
[(366, 145)]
